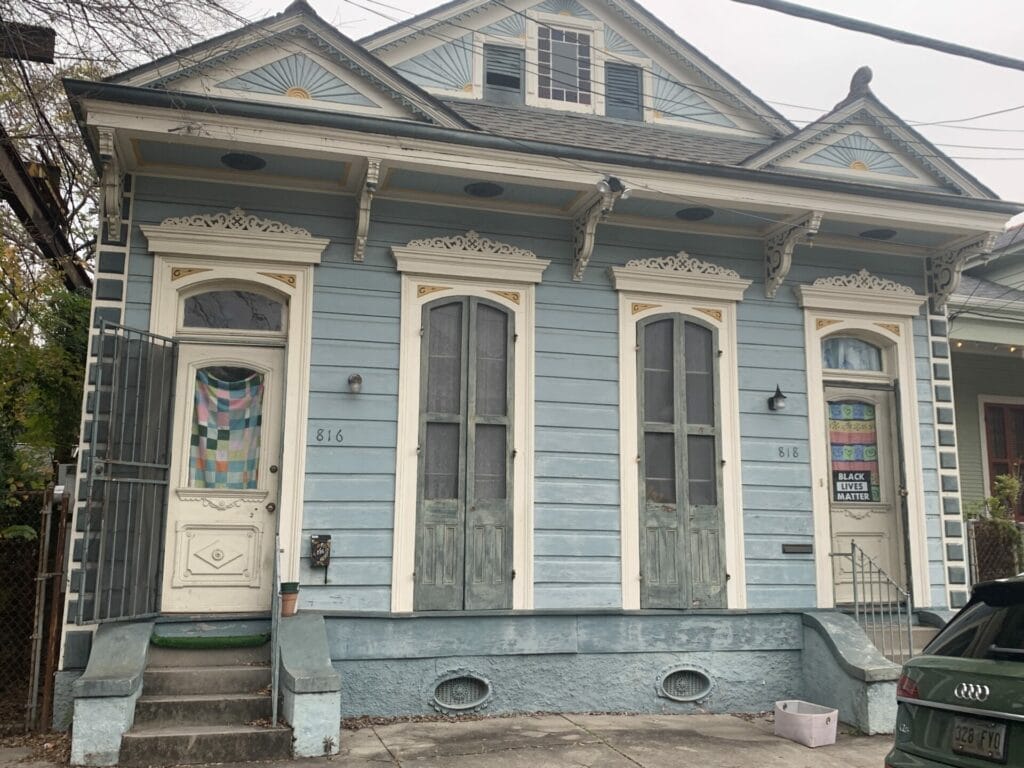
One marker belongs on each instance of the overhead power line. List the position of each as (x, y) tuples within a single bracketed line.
[(896, 35)]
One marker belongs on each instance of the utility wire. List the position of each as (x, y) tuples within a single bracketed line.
[(896, 35)]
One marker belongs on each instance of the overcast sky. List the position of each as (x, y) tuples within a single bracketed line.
[(802, 67)]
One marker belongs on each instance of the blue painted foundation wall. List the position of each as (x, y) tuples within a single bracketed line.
[(585, 662), (349, 488)]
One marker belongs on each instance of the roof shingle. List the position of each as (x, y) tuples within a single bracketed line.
[(603, 133)]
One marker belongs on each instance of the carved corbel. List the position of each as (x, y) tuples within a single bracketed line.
[(584, 226), (779, 243), (946, 266), (369, 187), (111, 182)]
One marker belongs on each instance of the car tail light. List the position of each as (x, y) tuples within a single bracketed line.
[(906, 688)]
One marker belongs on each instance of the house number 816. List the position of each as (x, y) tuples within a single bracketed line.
[(329, 436)]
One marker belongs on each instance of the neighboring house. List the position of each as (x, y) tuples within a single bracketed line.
[(499, 299), (986, 327)]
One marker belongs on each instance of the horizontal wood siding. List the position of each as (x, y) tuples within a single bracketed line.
[(349, 490)]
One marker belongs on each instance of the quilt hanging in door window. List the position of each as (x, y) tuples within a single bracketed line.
[(225, 448), (853, 436)]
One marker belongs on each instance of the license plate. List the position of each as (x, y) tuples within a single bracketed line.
[(980, 738)]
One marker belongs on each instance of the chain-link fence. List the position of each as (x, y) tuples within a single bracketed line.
[(19, 558), (994, 549), (33, 540)]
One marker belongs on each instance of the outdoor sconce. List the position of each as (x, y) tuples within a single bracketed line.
[(777, 402), (320, 552), (355, 383)]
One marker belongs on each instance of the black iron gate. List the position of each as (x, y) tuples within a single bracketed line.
[(127, 474)]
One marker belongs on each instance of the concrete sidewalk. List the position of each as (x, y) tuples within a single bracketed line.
[(601, 741), (560, 741)]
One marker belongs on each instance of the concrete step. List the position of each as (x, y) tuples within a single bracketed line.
[(208, 657), (887, 640), (165, 681), (177, 745), (202, 709)]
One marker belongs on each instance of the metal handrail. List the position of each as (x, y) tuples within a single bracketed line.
[(881, 606), (275, 635)]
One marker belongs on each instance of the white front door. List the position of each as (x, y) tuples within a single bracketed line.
[(223, 495), (864, 493)]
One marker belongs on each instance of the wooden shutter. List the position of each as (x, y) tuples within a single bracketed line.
[(682, 548), (441, 507), (503, 74), (464, 510), (623, 96)]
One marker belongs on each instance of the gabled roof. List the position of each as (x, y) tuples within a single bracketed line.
[(862, 135), (297, 22), (726, 88)]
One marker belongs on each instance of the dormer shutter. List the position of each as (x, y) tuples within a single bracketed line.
[(623, 94), (503, 74)]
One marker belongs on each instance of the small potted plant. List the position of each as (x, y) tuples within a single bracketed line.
[(289, 597)]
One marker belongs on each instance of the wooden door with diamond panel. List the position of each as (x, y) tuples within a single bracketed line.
[(222, 503)]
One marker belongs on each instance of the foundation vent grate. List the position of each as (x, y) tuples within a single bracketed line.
[(685, 685), (461, 693)]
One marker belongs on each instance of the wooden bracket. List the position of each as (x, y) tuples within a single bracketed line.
[(595, 209), (111, 183), (946, 266), (369, 187), (779, 244)]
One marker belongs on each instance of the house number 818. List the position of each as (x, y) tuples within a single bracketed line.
[(789, 452), (329, 436)]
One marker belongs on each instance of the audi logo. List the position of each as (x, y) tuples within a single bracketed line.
[(971, 692)]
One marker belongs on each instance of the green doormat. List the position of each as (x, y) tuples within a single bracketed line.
[(200, 642)]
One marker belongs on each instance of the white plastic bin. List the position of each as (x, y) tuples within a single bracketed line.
[(809, 724)]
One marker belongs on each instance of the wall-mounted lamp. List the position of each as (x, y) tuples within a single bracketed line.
[(777, 402), (613, 185), (355, 383)]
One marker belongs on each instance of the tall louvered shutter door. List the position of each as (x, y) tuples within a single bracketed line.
[(503, 74), (623, 94)]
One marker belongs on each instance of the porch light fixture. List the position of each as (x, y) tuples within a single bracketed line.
[(243, 161), (484, 189), (777, 402), (613, 185), (355, 383)]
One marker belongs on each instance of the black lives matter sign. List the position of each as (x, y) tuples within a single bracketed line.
[(851, 486)]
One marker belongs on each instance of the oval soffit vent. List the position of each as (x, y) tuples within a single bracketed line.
[(685, 685), (461, 693)]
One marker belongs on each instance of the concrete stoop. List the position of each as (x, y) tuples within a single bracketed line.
[(204, 706)]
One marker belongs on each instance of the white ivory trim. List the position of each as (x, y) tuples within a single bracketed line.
[(235, 235), (709, 294), (464, 266), (679, 276), (868, 321), (230, 257), (852, 293)]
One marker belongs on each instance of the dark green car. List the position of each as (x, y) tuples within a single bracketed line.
[(961, 702)]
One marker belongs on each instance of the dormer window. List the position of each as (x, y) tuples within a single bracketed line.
[(564, 65), (503, 74)]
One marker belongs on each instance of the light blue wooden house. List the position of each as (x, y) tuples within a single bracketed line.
[(559, 370)]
